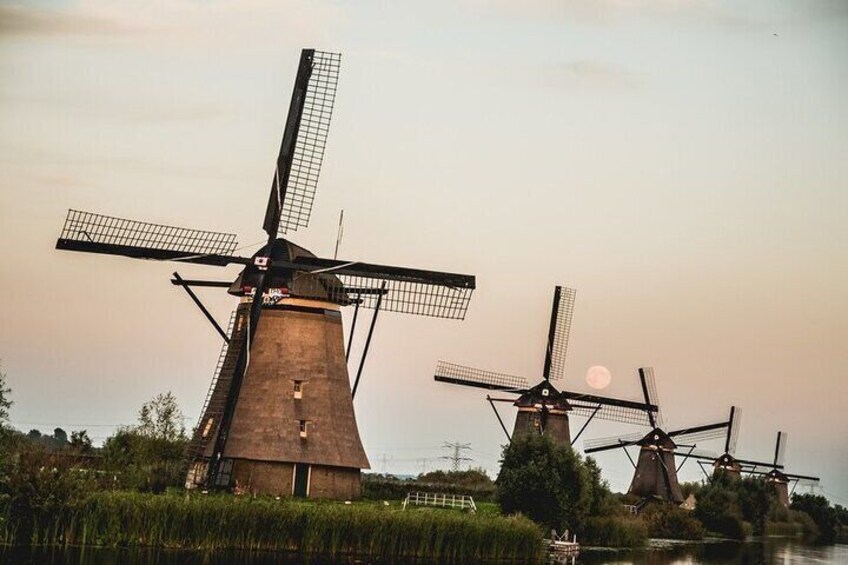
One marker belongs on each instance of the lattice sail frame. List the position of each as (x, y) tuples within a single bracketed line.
[(89, 227), (470, 376), (733, 432), (398, 295), (705, 435), (610, 413), (613, 441), (561, 331), (780, 449), (653, 396), (311, 141)]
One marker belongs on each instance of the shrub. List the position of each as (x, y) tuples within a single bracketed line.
[(615, 531), (818, 508), (671, 522)]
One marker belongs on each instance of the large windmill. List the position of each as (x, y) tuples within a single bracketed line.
[(655, 471), (542, 408), (279, 416)]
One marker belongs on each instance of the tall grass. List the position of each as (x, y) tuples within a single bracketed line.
[(124, 519)]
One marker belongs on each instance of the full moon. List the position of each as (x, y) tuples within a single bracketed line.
[(598, 377)]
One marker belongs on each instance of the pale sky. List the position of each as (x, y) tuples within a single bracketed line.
[(682, 163)]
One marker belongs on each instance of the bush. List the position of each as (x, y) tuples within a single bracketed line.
[(668, 521), (549, 483), (615, 531), (39, 486), (818, 508)]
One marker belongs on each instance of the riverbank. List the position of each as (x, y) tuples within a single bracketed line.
[(332, 529)]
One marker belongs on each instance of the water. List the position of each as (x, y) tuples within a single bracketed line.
[(780, 551), (783, 551)]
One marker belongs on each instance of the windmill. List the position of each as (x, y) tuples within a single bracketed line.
[(279, 417), (779, 479), (543, 408), (729, 463), (655, 475)]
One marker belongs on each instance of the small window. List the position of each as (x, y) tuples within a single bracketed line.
[(208, 427), (302, 424), (298, 389)]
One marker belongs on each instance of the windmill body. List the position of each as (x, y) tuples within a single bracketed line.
[(279, 416), (543, 408), (655, 470)]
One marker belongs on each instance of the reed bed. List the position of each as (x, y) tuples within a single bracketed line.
[(210, 522)]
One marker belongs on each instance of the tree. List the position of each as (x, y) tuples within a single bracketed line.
[(549, 483), (161, 418), (818, 508), (60, 437), (80, 442), (755, 497), (149, 456), (5, 401)]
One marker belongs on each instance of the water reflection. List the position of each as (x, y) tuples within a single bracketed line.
[(766, 552), (759, 552)]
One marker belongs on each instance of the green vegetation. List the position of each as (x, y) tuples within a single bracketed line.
[(552, 485), (121, 519), (473, 482), (667, 521), (825, 517), (618, 530), (60, 489)]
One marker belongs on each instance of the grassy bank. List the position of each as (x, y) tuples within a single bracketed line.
[(119, 519)]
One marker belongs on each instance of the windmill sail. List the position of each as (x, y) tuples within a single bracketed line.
[(558, 332), (649, 391), (407, 291), (478, 378), (304, 140), (97, 233), (609, 409)]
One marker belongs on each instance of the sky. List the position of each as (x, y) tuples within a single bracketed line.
[(681, 163)]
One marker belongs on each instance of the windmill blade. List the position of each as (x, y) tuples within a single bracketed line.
[(780, 448), (96, 233), (701, 454), (478, 378), (408, 291), (733, 430), (607, 443), (759, 467), (804, 480), (610, 409), (649, 391), (304, 139), (558, 332), (700, 433)]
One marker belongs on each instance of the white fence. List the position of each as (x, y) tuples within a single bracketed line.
[(460, 501)]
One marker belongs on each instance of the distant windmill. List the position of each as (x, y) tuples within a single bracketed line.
[(542, 408), (279, 417), (780, 480), (655, 475)]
